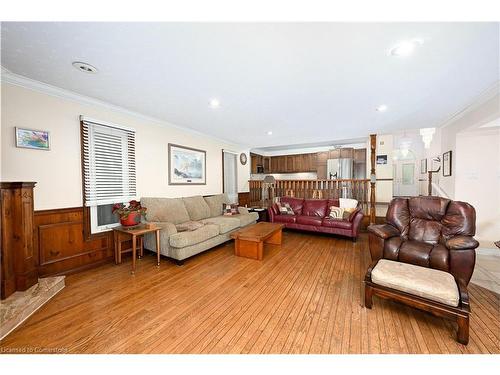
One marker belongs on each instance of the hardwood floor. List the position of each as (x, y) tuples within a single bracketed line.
[(306, 298)]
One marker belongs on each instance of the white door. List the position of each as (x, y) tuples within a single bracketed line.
[(230, 183), (405, 179)]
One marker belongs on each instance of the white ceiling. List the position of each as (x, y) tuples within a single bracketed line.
[(308, 83)]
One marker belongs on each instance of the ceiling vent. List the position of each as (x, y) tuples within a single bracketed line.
[(84, 67)]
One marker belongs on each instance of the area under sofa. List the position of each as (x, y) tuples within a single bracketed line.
[(217, 228)]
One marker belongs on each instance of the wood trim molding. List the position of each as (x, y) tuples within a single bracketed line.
[(373, 151)]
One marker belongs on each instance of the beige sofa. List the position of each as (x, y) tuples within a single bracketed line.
[(169, 212)]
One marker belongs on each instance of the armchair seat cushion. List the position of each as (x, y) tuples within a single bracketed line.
[(428, 283)]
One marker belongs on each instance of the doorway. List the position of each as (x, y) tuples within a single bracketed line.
[(405, 182), (230, 175)]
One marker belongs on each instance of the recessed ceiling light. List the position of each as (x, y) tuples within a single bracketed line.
[(269, 133), (84, 67), (381, 108), (405, 48), (214, 103)]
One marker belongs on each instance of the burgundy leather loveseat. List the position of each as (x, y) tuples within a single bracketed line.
[(313, 215)]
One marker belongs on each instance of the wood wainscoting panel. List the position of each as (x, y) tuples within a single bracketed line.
[(244, 198), (61, 245)]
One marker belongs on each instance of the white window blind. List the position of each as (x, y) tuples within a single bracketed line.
[(108, 163)]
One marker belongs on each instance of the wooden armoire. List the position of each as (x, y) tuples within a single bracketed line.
[(18, 256)]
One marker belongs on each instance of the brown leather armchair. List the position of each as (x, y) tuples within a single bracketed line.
[(428, 231)]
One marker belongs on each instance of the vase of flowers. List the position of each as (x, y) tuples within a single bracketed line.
[(130, 215)]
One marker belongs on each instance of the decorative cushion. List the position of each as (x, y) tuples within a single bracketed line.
[(230, 209), (348, 203), (295, 203), (196, 207), (336, 213), (424, 282), (285, 209), (215, 203), (184, 239), (188, 226)]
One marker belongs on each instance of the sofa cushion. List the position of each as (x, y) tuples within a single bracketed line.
[(171, 210), (315, 207), (196, 207), (225, 223), (335, 223), (309, 220), (215, 202), (189, 225), (246, 219), (285, 219), (424, 282), (184, 239), (295, 203)]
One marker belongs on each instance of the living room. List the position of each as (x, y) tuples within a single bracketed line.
[(250, 187)]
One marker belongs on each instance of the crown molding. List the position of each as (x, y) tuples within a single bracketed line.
[(45, 88), (482, 98)]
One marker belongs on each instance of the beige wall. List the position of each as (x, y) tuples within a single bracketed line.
[(477, 179), (58, 171)]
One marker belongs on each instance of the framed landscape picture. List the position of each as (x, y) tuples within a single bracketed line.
[(447, 164), (30, 138), (186, 166), (423, 166)]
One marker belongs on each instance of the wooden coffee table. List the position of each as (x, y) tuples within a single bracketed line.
[(249, 242)]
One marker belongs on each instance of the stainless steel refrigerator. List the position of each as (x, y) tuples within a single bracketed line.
[(341, 169)]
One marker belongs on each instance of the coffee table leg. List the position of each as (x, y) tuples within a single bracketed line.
[(158, 248), (275, 239), (134, 252)]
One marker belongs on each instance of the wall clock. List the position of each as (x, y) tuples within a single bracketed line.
[(243, 158)]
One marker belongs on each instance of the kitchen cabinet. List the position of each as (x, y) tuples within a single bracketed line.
[(266, 163)]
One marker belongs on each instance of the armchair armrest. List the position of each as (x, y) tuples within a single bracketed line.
[(384, 231), (461, 243), (464, 295)]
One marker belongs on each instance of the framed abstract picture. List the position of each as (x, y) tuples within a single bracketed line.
[(186, 166), (447, 164), (30, 138), (423, 166)]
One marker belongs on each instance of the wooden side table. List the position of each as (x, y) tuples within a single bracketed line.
[(122, 234)]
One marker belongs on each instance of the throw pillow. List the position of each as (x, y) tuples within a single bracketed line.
[(336, 213), (188, 226), (230, 209), (348, 203), (285, 209)]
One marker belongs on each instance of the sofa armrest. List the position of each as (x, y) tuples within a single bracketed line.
[(272, 212), (461, 243), (384, 231), (168, 228), (243, 210), (356, 223)]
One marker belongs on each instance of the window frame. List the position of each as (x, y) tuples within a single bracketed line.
[(90, 228)]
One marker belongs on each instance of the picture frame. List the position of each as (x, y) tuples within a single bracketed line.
[(32, 138), (447, 164), (381, 159), (186, 165), (423, 166)]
